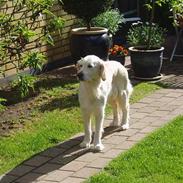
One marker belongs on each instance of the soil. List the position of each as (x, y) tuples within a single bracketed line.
[(18, 111)]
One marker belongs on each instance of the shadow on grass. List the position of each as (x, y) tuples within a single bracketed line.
[(64, 102), (12, 95)]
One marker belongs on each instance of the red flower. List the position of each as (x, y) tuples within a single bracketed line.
[(118, 50)]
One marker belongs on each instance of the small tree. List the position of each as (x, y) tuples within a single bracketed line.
[(86, 9), (23, 32)]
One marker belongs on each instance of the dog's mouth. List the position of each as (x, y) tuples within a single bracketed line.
[(80, 76)]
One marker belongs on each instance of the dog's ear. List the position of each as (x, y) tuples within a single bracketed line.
[(77, 63), (102, 72)]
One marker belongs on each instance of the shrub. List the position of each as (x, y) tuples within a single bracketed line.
[(110, 19), (86, 9), (138, 36)]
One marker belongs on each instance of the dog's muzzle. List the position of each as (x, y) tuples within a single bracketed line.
[(80, 76)]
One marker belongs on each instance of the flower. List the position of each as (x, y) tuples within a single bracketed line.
[(118, 50)]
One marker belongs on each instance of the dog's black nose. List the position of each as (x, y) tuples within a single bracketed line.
[(80, 76)]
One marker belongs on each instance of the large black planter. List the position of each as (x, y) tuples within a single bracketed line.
[(118, 58), (146, 64), (94, 42)]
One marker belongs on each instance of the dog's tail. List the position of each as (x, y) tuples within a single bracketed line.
[(129, 88)]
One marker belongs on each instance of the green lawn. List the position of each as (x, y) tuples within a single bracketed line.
[(156, 159), (52, 121)]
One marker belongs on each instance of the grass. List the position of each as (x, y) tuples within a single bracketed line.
[(55, 119), (156, 159)]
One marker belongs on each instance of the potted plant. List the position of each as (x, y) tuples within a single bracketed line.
[(146, 51), (118, 53), (88, 40), (177, 8), (110, 19)]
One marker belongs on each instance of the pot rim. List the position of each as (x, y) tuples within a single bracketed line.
[(84, 31), (133, 49)]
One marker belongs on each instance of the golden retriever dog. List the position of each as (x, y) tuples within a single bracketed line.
[(102, 82)]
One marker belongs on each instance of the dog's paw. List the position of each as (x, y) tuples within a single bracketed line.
[(84, 144), (125, 127), (98, 147)]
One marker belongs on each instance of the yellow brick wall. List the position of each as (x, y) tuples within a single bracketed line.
[(61, 47)]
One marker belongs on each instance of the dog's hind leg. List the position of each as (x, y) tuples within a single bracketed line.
[(116, 113), (124, 105), (87, 128)]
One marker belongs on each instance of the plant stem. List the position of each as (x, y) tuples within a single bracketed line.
[(150, 23)]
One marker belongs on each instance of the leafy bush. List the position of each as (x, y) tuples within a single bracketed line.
[(86, 9), (24, 29), (24, 83), (138, 36), (110, 19)]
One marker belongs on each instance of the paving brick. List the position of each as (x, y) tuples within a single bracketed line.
[(86, 172), (139, 115), (125, 145), (48, 167), (160, 113), (73, 180), (68, 144), (57, 175), (115, 139), (165, 100), (63, 159), (7, 178), (88, 157), (128, 132), (137, 137), (21, 170), (146, 100), (30, 177), (52, 152), (139, 125), (174, 94), (138, 105), (99, 163), (156, 95), (149, 119), (74, 166), (148, 129), (148, 109), (42, 181), (111, 153), (37, 160), (177, 112), (107, 146)]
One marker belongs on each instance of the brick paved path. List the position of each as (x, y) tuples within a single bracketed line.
[(68, 163)]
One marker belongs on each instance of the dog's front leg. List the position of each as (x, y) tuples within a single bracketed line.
[(99, 117), (87, 128)]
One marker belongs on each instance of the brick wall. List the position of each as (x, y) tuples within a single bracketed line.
[(54, 53)]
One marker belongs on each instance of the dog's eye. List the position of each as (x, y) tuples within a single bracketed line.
[(80, 66), (90, 66)]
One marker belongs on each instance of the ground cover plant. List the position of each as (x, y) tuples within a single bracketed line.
[(50, 117), (158, 158)]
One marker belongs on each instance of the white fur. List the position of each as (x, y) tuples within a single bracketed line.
[(102, 82)]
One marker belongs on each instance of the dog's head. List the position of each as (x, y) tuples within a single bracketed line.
[(90, 68)]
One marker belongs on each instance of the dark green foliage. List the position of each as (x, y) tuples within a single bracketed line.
[(86, 9), (138, 36)]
